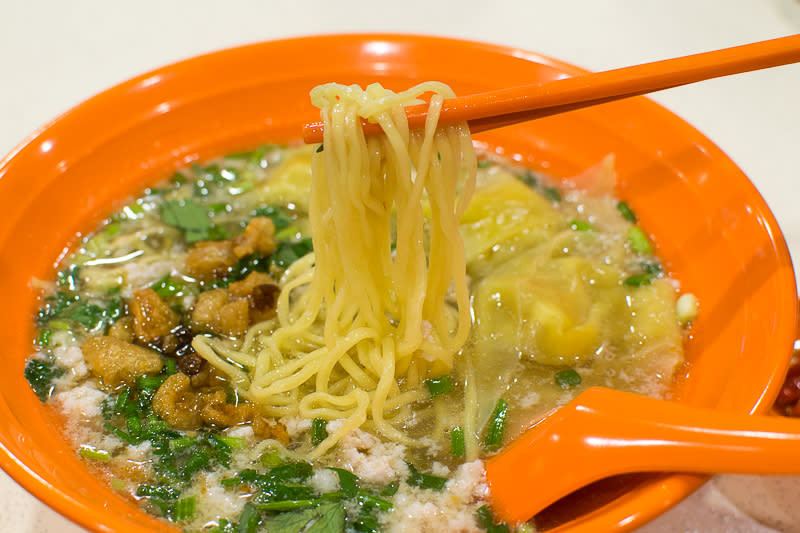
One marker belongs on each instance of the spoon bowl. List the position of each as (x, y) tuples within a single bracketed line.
[(604, 432)]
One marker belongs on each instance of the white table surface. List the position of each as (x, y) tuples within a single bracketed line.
[(53, 54)]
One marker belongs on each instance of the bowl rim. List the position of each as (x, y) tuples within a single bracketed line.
[(628, 512)]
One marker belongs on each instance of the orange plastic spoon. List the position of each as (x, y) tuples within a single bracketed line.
[(604, 432), (504, 107)]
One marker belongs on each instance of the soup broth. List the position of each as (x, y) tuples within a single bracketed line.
[(565, 294)]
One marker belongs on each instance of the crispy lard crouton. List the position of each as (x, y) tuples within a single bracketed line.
[(115, 361), (177, 403), (182, 407), (214, 313), (210, 259), (258, 236), (152, 317)]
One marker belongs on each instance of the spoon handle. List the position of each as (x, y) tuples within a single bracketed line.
[(604, 432)]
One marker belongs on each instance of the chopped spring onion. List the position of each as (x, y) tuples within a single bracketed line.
[(639, 241), (439, 386), (44, 337), (233, 442), (426, 481), (319, 431), (167, 286), (486, 521), (365, 499), (551, 193), (566, 379), (271, 459), (90, 452), (580, 225), (497, 425), (457, 447), (637, 280), (626, 212), (150, 382), (686, 308), (184, 509)]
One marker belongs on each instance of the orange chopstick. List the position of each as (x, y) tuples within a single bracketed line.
[(495, 109)]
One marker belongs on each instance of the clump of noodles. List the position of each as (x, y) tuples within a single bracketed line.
[(382, 304)]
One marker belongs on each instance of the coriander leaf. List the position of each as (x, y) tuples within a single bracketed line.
[(40, 375), (299, 470), (290, 522), (248, 521), (368, 500), (275, 213), (69, 278), (289, 252), (86, 314), (347, 481), (184, 215), (330, 519)]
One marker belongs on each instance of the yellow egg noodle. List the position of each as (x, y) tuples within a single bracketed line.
[(382, 304)]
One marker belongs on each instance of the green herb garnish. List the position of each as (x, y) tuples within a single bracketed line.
[(439, 386), (167, 286), (497, 425), (486, 521), (566, 379), (639, 241), (275, 213), (426, 481), (348, 482), (551, 193), (637, 280), (319, 431), (580, 225), (248, 522), (192, 218), (457, 446), (44, 337), (40, 374), (90, 452), (324, 518), (289, 252), (626, 212)]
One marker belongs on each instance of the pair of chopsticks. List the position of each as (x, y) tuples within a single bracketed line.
[(504, 107)]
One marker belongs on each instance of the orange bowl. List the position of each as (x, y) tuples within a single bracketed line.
[(712, 229)]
